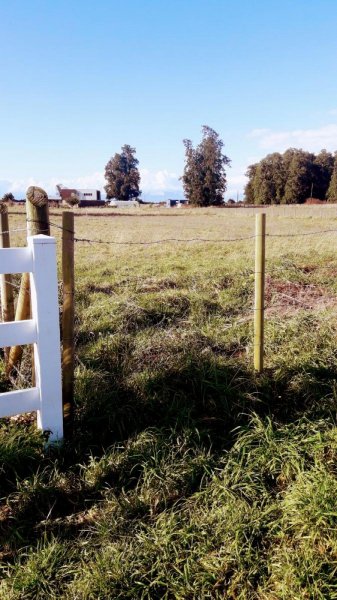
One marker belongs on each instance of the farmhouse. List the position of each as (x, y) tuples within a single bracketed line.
[(89, 195), (86, 197)]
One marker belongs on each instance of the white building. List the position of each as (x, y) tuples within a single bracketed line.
[(124, 203), (88, 195)]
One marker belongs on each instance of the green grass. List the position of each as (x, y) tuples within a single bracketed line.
[(186, 476)]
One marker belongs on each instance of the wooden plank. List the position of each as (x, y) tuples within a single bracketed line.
[(7, 296)]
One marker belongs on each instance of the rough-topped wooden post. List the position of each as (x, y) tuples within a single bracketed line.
[(7, 300), (37, 212)]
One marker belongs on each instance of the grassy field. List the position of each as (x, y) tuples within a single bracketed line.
[(186, 476)]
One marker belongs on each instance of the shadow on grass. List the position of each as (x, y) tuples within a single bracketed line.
[(215, 393), (203, 392)]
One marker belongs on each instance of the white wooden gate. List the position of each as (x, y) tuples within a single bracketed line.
[(38, 259)]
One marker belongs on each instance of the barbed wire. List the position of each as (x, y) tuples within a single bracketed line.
[(14, 230), (195, 239), (173, 239), (301, 233)]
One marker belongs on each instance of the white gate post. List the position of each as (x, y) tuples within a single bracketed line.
[(47, 354)]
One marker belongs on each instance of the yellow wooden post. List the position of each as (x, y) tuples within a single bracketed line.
[(68, 314), (37, 211), (7, 299), (260, 246)]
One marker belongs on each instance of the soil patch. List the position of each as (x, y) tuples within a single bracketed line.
[(284, 297)]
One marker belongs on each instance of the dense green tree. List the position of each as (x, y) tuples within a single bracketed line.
[(299, 178), (322, 172), (278, 176), (266, 181), (122, 175), (204, 178), (262, 184), (332, 190), (269, 180), (249, 188), (290, 177)]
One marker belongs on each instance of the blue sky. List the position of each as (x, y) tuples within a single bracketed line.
[(78, 79)]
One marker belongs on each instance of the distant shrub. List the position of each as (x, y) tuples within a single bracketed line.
[(73, 200), (8, 197)]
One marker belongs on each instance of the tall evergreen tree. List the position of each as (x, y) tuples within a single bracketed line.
[(263, 184), (249, 188), (122, 175), (269, 180), (204, 178), (278, 176), (332, 189), (300, 177), (324, 163)]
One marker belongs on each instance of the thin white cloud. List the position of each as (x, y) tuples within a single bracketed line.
[(257, 133), (236, 181), (154, 183), (159, 182), (309, 139), (18, 187)]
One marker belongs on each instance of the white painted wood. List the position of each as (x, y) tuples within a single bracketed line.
[(19, 333), (38, 259), (44, 300), (16, 260), (19, 401)]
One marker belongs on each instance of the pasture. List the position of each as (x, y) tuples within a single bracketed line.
[(186, 475)]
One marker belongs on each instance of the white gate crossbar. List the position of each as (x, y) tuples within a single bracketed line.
[(19, 401), (16, 260), (18, 332), (38, 259)]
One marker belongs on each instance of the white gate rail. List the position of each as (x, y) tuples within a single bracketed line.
[(38, 259)]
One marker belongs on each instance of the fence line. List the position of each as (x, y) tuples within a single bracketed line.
[(256, 312)]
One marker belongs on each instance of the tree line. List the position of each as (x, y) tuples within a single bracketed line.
[(288, 178), (292, 177)]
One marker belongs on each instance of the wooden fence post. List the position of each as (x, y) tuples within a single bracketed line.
[(260, 233), (7, 299), (68, 352), (37, 211)]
